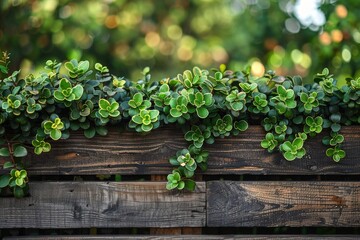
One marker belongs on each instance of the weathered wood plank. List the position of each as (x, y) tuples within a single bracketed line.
[(272, 204), (101, 204), (132, 153), (195, 237)]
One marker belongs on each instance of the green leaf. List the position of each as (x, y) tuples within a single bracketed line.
[(181, 185), (84, 65), (19, 181), (103, 103), (175, 113), (154, 114), (4, 180), (55, 134), (146, 128), (329, 152), (170, 185), (8, 165), (202, 112), (137, 119), (298, 142), (286, 146), (90, 132), (20, 151), (138, 99), (187, 75), (208, 99), (281, 90), (264, 143), (335, 127), (69, 66), (59, 96), (303, 97), (236, 106), (4, 152), (102, 131), (78, 91), (341, 153), (190, 184), (289, 156), (38, 150), (64, 84), (18, 192)]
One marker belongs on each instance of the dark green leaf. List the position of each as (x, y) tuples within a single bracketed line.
[(4, 180)]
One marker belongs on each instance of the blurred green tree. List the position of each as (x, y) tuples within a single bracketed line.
[(291, 37)]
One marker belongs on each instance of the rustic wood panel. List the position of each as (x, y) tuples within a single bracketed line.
[(195, 237), (132, 153), (101, 204), (271, 204)]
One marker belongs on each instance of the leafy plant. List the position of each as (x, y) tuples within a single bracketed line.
[(53, 127), (284, 99), (66, 92), (205, 104), (293, 149)]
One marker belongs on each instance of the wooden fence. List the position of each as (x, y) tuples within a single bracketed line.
[(244, 187)]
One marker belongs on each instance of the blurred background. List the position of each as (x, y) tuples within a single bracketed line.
[(288, 36)]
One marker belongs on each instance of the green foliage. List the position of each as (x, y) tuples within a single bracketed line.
[(197, 136), (145, 120), (175, 181), (53, 128), (205, 104), (201, 101), (294, 149), (222, 126), (269, 142), (40, 145), (336, 153), (77, 69), (66, 92), (236, 100), (313, 125), (310, 102), (284, 99)]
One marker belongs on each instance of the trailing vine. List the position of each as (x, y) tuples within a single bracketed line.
[(37, 110)]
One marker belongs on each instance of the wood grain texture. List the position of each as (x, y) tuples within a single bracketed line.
[(272, 204), (190, 237), (131, 153), (104, 205)]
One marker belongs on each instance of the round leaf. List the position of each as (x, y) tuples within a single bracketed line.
[(20, 151), (4, 180)]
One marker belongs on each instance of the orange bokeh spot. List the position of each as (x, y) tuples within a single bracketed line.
[(325, 38), (336, 35), (341, 11), (111, 21)]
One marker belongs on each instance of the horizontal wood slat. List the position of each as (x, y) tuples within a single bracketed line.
[(106, 205), (271, 204), (132, 153), (190, 237)]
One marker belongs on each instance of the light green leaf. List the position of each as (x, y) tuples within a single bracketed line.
[(55, 134), (202, 112), (58, 95), (103, 103), (138, 99), (78, 91), (64, 84)]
